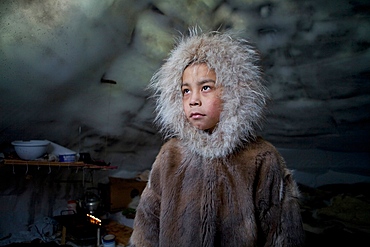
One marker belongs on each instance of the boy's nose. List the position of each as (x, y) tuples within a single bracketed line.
[(194, 100)]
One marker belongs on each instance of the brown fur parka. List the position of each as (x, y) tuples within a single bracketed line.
[(228, 188)]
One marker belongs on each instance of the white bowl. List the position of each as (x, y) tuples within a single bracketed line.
[(30, 150)]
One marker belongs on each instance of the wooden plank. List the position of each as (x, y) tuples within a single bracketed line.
[(55, 163), (42, 163)]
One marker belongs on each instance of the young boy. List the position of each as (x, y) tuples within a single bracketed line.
[(214, 182)]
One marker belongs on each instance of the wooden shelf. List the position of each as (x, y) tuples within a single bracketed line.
[(78, 164)]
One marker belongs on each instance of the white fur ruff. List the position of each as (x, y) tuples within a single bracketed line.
[(244, 96)]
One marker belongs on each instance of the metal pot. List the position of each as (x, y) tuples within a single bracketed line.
[(92, 206), (91, 201)]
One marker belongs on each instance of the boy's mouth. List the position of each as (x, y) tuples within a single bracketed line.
[(196, 115)]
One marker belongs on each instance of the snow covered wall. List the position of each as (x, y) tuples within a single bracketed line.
[(75, 72)]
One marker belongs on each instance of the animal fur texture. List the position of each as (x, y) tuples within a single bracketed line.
[(228, 188), (235, 63)]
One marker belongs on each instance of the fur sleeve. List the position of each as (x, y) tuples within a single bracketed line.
[(146, 223), (277, 204)]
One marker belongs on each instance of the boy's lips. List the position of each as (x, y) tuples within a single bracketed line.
[(196, 115)]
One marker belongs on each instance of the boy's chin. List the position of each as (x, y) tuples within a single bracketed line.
[(204, 128), (209, 130)]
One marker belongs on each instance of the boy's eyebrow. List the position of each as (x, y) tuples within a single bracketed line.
[(199, 82)]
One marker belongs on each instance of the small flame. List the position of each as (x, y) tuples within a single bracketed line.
[(93, 219)]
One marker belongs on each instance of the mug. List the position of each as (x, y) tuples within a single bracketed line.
[(109, 240)]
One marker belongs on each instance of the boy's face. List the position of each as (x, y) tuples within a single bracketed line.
[(201, 99)]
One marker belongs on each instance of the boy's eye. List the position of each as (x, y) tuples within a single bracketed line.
[(185, 91), (205, 88)]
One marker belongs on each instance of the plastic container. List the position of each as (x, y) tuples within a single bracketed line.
[(109, 240), (67, 157), (72, 207), (63, 154)]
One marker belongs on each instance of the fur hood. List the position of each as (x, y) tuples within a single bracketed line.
[(244, 97)]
